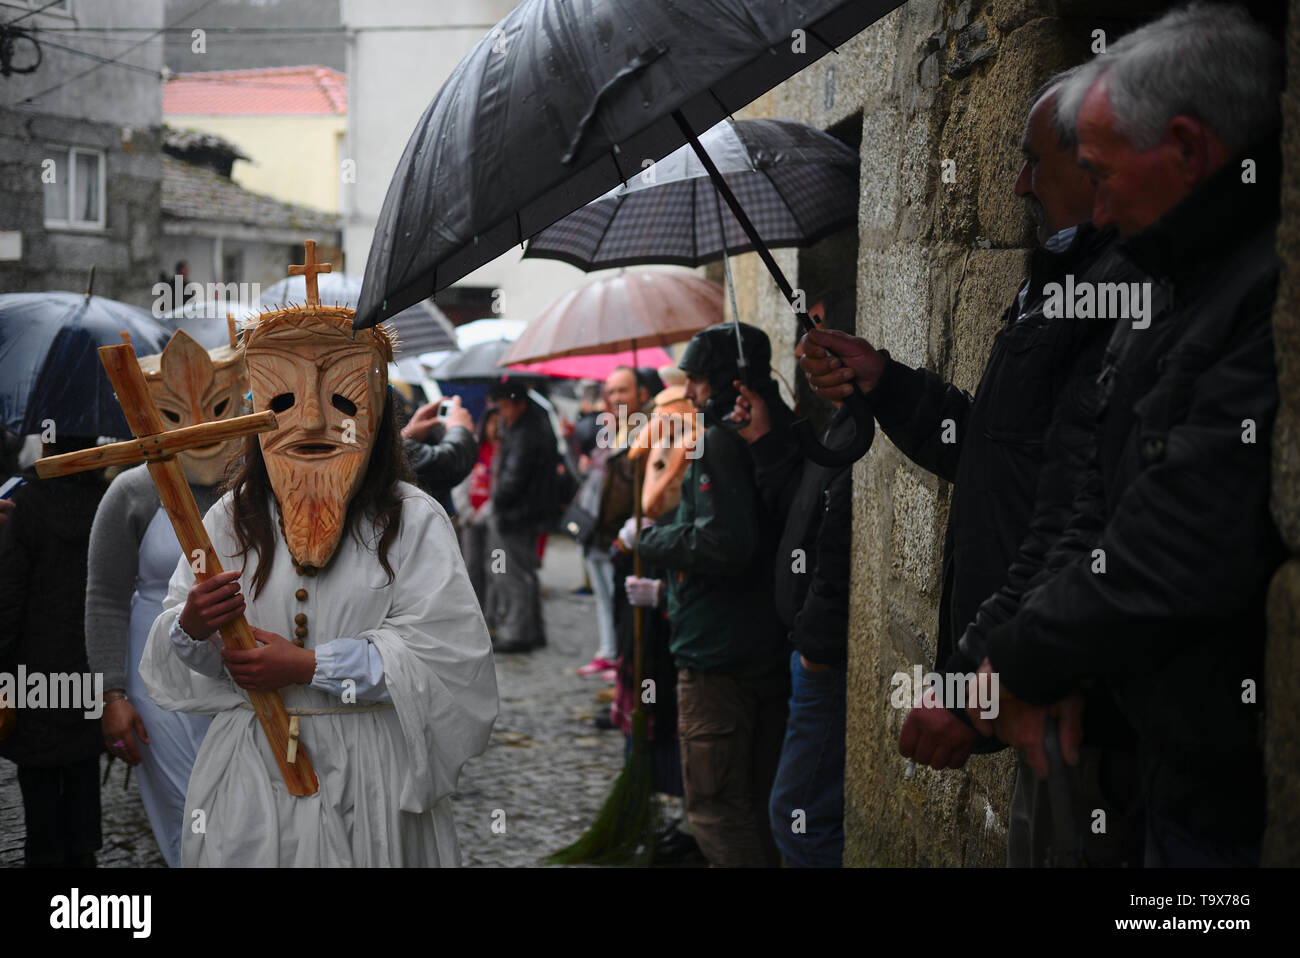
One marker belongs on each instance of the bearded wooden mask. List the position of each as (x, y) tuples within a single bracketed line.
[(191, 385), (665, 443), (327, 389)]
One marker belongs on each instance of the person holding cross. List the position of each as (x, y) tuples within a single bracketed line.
[(367, 625), (133, 550)]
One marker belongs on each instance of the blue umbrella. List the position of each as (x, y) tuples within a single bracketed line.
[(49, 364)]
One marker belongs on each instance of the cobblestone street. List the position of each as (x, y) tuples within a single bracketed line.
[(542, 779)]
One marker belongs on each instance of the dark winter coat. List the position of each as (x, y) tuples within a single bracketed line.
[(524, 472), (442, 461), (43, 551), (814, 507), (1175, 495), (990, 446)]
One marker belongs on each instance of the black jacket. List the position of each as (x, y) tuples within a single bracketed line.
[(991, 446), (813, 505), (1175, 495), (43, 551), (524, 472), (442, 461)]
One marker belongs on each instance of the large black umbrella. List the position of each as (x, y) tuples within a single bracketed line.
[(560, 103), (796, 183), (49, 361)]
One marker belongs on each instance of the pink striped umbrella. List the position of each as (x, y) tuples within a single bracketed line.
[(633, 310)]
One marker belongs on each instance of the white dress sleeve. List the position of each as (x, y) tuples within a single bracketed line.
[(192, 678), (199, 654), (356, 660)]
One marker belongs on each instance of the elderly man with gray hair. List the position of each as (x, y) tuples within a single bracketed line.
[(996, 448), (1158, 583)]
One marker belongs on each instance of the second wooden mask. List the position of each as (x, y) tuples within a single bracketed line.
[(192, 385)]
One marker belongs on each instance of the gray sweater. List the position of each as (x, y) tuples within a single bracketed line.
[(123, 516)]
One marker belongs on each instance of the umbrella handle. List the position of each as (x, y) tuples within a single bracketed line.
[(857, 403), (1061, 790)]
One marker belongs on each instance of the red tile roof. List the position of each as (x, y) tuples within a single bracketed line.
[(275, 90)]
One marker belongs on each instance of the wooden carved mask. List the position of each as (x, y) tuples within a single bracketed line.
[(327, 389), (665, 442), (191, 385)]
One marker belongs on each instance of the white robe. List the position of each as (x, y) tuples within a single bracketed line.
[(385, 776), (174, 737)]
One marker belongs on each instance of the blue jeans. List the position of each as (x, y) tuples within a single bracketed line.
[(600, 570), (810, 778), (1169, 845)]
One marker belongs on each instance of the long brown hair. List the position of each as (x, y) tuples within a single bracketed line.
[(377, 498)]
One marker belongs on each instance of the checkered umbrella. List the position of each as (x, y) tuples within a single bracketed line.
[(797, 184)]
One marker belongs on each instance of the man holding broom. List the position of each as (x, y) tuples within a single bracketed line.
[(728, 643)]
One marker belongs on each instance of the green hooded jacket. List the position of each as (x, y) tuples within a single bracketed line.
[(719, 550)]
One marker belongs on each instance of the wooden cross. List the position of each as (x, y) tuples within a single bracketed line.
[(154, 445), (309, 271)]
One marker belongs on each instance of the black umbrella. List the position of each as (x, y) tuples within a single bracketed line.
[(796, 183), (560, 103), (49, 361), (479, 364)]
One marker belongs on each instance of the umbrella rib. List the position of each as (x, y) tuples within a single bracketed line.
[(618, 168), (723, 107), (695, 220), (794, 215), (609, 224)]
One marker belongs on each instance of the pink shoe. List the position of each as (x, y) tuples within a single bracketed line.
[(610, 675), (596, 666)]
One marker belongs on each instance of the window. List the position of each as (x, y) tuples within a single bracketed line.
[(74, 188), (232, 267)]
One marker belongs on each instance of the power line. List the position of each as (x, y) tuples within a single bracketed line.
[(338, 31), (117, 60), (245, 83), (244, 41), (266, 34), (32, 13), (104, 61)]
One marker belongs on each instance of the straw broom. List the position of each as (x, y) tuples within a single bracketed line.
[(624, 830)]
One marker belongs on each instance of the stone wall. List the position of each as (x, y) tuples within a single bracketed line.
[(125, 253), (942, 87), (74, 103), (1282, 744)]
